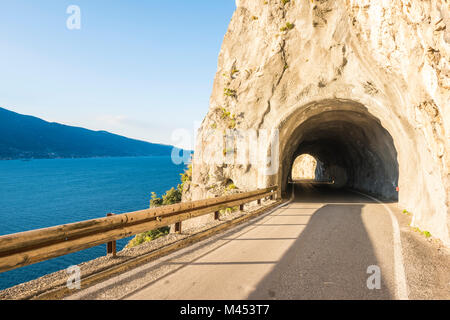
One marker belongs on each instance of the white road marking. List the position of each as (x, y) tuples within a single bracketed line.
[(399, 268)]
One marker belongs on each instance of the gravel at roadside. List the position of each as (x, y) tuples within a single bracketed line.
[(34, 288)]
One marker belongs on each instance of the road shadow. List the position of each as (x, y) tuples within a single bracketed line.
[(320, 193), (95, 291), (329, 260)]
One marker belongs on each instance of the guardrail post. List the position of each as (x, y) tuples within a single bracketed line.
[(111, 247), (217, 213), (178, 227)]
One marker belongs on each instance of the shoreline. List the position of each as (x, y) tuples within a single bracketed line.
[(87, 158), (40, 194)]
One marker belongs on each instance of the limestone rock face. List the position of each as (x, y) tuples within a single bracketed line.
[(363, 85)]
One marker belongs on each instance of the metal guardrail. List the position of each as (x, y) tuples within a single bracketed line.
[(25, 248), (311, 181)]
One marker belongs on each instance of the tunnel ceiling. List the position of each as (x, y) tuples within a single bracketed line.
[(356, 151)]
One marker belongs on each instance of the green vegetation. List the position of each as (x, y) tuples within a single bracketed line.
[(229, 92), (225, 114), (285, 1), (228, 210), (231, 186), (427, 234), (148, 236), (287, 27), (231, 118), (171, 196), (232, 123), (186, 177)]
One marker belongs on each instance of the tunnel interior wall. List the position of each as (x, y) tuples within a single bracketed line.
[(354, 149)]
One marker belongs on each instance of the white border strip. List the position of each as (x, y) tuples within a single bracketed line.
[(399, 268)]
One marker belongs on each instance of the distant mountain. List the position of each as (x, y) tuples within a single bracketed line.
[(24, 136)]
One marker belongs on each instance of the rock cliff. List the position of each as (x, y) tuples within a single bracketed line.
[(362, 85)]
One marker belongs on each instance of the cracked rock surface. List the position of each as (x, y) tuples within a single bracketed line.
[(367, 79)]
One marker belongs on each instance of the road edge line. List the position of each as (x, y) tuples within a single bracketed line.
[(399, 266)]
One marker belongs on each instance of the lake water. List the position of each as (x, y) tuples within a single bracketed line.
[(44, 193)]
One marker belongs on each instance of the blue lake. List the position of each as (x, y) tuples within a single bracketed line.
[(44, 193)]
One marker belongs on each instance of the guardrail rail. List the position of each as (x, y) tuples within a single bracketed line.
[(29, 247)]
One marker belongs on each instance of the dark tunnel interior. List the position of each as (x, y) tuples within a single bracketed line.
[(353, 148)]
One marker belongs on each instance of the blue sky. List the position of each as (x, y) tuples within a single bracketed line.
[(136, 68)]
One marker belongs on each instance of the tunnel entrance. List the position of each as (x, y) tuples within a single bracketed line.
[(352, 147), (306, 168)]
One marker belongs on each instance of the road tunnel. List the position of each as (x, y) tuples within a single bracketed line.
[(352, 147), (306, 168)]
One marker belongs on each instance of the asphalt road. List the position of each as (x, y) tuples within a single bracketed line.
[(323, 245)]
